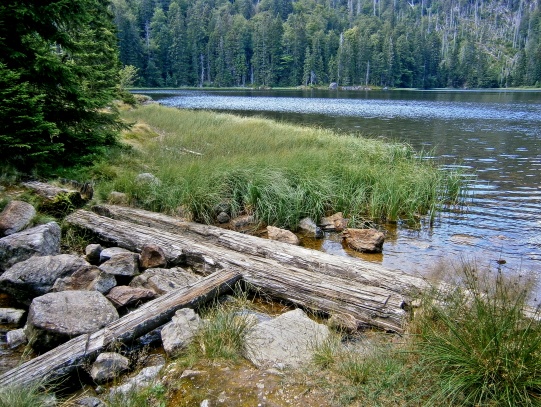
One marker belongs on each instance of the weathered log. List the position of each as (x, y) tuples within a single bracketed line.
[(348, 292), (286, 254), (64, 359)]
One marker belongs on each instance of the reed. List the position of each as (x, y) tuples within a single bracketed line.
[(278, 172)]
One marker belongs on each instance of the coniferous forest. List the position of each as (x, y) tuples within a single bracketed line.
[(393, 43)]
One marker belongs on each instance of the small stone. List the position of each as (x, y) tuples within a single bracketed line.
[(122, 264), (122, 296), (92, 252), (88, 402), (282, 235), (16, 338), (152, 256), (191, 373), (107, 366), (243, 221), (11, 316), (223, 217), (109, 252)]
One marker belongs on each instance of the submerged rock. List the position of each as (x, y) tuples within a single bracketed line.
[(282, 235), (309, 228)]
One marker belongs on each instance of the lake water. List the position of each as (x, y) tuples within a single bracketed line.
[(495, 136)]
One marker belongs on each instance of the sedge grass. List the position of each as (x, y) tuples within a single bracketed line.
[(278, 172)]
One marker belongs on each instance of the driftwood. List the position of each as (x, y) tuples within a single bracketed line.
[(284, 253), (350, 288), (64, 359)]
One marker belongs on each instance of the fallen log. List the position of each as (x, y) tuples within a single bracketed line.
[(64, 359), (348, 295), (284, 253)]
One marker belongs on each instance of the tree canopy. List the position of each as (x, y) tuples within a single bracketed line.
[(58, 73), (394, 43)]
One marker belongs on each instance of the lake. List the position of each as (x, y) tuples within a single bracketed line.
[(494, 136)]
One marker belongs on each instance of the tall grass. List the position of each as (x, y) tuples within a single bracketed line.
[(482, 345), (278, 172)]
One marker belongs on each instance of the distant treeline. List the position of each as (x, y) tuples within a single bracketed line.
[(394, 43)]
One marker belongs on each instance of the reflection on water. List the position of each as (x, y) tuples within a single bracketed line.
[(495, 137)]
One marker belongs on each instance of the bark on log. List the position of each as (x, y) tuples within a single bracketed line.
[(64, 359), (348, 293), (286, 254)]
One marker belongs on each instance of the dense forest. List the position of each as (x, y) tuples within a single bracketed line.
[(394, 43)]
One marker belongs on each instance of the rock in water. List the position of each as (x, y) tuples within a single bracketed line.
[(282, 235), (15, 217), (41, 240), (287, 340), (55, 318), (334, 223), (364, 240)]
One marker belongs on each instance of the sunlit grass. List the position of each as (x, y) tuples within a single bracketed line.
[(278, 172)]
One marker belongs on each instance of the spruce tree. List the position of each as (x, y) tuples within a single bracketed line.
[(58, 72)]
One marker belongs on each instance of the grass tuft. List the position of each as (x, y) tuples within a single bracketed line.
[(30, 396)]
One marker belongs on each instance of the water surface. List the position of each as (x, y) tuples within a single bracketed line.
[(495, 136)]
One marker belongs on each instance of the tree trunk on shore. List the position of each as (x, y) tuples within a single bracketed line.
[(308, 278), (64, 359)]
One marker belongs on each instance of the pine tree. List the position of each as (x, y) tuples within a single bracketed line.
[(58, 70)]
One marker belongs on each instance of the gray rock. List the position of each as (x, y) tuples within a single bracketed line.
[(333, 86), (122, 295), (41, 240), (89, 402), (109, 252), (37, 275), (309, 228), (122, 264), (107, 366), (93, 253), (222, 207), (364, 240), (334, 223), (162, 281), (11, 316), (282, 235), (118, 198), (242, 222), (15, 217), (223, 217), (87, 278), (55, 318), (151, 256), (146, 377), (16, 338), (287, 340), (147, 178), (177, 334)]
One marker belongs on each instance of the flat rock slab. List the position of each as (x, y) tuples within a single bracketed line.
[(55, 318), (282, 235), (162, 281), (37, 275), (106, 254), (122, 264), (16, 216), (364, 240), (87, 278), (41, 240), (122, 296), (285, 341)]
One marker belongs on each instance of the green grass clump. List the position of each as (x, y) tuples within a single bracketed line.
[(479, 343), (150, 396), (29, 396), (278, 172)]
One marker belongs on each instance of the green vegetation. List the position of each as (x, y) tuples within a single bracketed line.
[(31, 396), (58, 72), (407, 44), (278, 172)]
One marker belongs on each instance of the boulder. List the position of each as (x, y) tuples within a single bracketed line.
[(309, 228), (162, 280), (147, 178), (16, 338), (177, 334), (122, 295), (223, 217), (11, 316), (16, 216), (93, 253), (285, 341), (41, 240), (109, 252), (87, 278), (122, 264), (364, 240), (334, 223), (151, 256), (145, 378), (107, 366), (37, 275), (282, 235), (118, 198), (55, 318)]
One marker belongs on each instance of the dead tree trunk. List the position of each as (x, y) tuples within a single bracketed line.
[(64, 359), (358, 296)]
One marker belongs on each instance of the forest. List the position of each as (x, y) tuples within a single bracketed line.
[(284, 43)]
